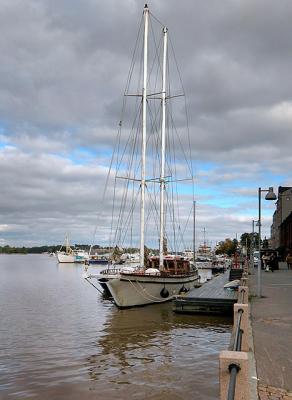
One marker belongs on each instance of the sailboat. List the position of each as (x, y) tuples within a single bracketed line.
[(66, 255), (204, 253), (156, 278)]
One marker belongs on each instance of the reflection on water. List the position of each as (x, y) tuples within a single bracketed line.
[(159, 354), (61, 339)]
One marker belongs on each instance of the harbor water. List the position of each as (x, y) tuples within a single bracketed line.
[(60, 339)]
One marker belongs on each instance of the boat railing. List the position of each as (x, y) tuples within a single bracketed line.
[(234, 363), (109, 271)]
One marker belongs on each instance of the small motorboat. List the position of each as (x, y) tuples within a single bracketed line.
[(233, 285)]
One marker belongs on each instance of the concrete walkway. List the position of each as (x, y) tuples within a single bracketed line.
[(271, 319)]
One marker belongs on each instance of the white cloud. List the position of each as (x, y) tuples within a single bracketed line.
[(62, 75)]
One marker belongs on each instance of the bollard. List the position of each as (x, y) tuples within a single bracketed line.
[(245, 265), (243, 325), (244, 275), (245, 293), (243, 282), (244, 279), (240, 359)]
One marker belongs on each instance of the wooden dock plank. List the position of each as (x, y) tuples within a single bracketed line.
[(209, 298)]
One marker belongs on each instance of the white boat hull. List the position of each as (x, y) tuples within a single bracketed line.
[(131, 290), (65, 258)]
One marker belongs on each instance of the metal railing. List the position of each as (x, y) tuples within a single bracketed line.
[(238, 332), (235, 368), (234, 365)]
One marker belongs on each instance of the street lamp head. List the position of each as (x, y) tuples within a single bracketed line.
[(271, 195)]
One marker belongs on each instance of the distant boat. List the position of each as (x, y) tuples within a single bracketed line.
[(70, 255), (98, 259), (204, 257), (204, 252), (66, 255), (80, 256), (129, 258), (188, 254)]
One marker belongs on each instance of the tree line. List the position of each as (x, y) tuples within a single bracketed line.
[(37, 249), (53, 248), (247, 240)]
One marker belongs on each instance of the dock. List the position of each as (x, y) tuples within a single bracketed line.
[(210, 298)]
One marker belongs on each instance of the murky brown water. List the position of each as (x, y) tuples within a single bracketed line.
[(59, 339)]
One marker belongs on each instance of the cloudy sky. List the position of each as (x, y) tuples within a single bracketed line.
[(63, 70)]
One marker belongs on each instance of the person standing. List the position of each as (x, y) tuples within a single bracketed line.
[(289, 260), (273, 262), (266, 260)]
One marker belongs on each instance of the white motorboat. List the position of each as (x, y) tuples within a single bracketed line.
[(80, 256)]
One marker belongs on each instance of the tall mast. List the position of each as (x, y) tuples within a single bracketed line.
[(194, 231), (143, 150), (67, 244), (162, 167)]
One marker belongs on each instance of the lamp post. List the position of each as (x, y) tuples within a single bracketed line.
[(269, 196), (251, 256)]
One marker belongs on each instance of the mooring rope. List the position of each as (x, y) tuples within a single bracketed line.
[(148, 298)]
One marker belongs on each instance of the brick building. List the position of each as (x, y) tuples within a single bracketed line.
[(282, 219), (286, 233)]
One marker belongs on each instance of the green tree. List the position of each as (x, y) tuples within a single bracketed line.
[(246, 239), (228, 247)]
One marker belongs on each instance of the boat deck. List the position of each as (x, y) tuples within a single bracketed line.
[(210, 298)]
